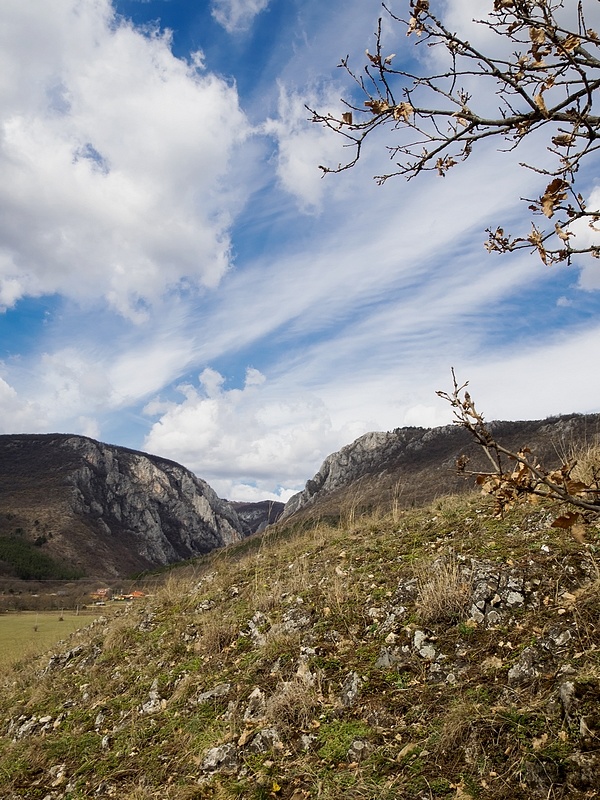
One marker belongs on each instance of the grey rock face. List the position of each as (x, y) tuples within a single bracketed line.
[(170, 512), (257, 516), (341, 468), (409, 466), (110, 511)]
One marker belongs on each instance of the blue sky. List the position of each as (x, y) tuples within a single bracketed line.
[(176, 276)]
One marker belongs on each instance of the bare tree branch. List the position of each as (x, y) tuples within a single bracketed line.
[(517, 475), (548, 83)]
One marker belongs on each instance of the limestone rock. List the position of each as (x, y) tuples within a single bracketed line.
[(110, 511), (412, 465)]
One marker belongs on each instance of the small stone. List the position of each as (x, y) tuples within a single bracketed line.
[(220, 690), (265, 740), (256, 705), (476, 615), (350, 688), (222, 757), (358, 750), (427, 652), (515, 599), (493, 617)]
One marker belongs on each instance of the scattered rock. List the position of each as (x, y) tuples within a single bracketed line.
[(350, 689), (359, 749), (265, 740), (220, 690), (223, 758), (257, 706)]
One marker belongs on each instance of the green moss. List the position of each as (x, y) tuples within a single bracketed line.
[(336, 737)]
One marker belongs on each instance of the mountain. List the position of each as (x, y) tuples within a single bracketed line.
[(412, 466), (71, 506)]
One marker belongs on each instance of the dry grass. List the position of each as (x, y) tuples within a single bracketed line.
[(217, 634), (444, 591), (294, 705), (587, 468), (315, 589)]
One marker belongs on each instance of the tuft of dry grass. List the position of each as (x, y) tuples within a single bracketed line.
[(443, 591), (294, 704), (587, 468)]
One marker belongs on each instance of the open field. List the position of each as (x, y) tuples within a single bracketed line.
[(28, 633)]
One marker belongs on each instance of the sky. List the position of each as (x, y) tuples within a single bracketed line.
[(176, 275)]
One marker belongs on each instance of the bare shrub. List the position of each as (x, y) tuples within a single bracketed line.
[(444, 591)]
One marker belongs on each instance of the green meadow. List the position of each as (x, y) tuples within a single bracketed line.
[(28, 633)]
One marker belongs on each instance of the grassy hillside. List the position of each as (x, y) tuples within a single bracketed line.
[(434, 653)]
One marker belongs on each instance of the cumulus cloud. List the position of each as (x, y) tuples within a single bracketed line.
[(113, 154), (236, 16), (18, 415), (244, 439)]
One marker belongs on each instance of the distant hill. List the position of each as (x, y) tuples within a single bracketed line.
[(413, 466), (71, 506)]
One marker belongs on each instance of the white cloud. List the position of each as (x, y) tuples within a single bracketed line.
[(586, 235), (303, 146), (237, 439), (113, 154), (237, 16), (18, 415)]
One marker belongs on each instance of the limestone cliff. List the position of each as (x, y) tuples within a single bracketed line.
[(107, 510), (412, 466)]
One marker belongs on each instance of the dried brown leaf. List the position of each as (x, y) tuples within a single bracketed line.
[(541, 104), (556, 191), (566, 521)]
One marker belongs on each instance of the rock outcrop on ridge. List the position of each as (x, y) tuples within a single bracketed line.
[(412, 466), (106, 511)]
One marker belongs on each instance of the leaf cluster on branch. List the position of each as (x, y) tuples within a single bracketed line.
[(546, 81), (516, 476)]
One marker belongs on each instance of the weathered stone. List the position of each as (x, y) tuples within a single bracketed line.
[(220, 690), (358, 750), (586, 771), (528, 667), (425, 650), (350, 689), (154, 703), (256, 707), (515, 599), (223, 758), (265, 740)]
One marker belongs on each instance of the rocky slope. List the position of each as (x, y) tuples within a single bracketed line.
[(102, 510), (433, 654), (412, 466)]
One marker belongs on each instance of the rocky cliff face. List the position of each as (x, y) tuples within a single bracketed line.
[(108, 510), (256, 516), (412, 466)]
